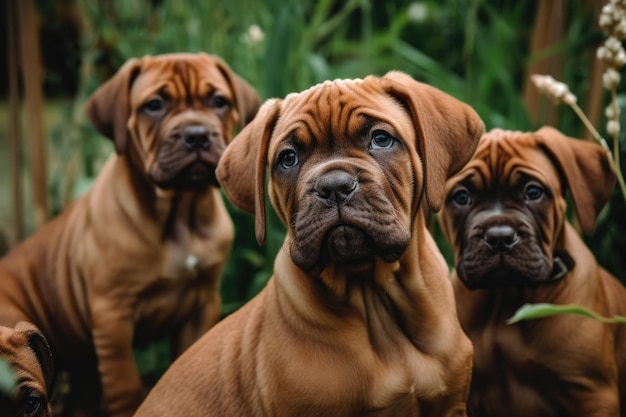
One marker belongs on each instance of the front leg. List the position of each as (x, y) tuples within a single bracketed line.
[(113, 331)]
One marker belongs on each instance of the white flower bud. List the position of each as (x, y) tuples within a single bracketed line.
[(605, 21), (619, 31), (539, 80), (612, 44), (611, 112), (569, 99), (255, 34), (620, 59), (610, 79), (417, 12), (559, 90), (553, 88), (612, 127)]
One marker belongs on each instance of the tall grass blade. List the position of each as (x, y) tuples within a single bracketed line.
[(542, 310)]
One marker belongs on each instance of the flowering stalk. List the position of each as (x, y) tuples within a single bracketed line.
[(560, 93), (613, 23)]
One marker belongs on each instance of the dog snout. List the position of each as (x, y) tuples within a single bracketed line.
[(336, 187), (501, 238), (196, 137)]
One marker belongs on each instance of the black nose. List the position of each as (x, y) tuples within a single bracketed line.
[(196, 137), (501, 238), (336, 186)]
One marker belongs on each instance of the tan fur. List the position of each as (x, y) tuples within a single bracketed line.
[(560, 366), (139, 257), (358, 318)]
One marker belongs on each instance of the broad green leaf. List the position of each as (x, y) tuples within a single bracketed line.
[(541, 310), (7, 378)]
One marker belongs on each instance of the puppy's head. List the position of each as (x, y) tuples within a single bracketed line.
[(27, 352), (505, 210), (348, 162), (173, 115)]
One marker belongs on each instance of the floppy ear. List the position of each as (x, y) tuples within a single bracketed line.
[(247, 99), (40, 347), (586, 169), (108, 108), (447, 131), (245, 159)]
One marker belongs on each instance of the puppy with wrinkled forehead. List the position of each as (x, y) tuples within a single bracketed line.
[(505, 216), (359, 316), (138, 257)]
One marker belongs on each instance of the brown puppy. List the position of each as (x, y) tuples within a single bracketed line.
[(505, 216), (27, 353), (138, 257), (359, 316)]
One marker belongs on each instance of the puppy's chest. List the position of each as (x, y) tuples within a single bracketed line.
[(186, 259), (512, 372), (196, 237), (501, 349), (185, 277)]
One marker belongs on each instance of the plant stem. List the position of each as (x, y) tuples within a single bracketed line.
[(616, 134), (613, 162)]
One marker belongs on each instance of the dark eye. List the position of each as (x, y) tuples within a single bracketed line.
[(533, 192), (381, 140), (461, 197), (155, 105), (219, 102), (33, 405), (288, 158)]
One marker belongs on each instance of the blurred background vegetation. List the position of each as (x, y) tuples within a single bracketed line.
[(480, 51)]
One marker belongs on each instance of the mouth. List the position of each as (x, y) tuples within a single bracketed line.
[(346, 245), (495, 278), (503, 270), (194, 170), (198, 171)]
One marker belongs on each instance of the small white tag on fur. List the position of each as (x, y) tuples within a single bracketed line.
[(191, 262)]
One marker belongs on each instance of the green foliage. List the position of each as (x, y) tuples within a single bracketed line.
[(153, 361), (542, 310)]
